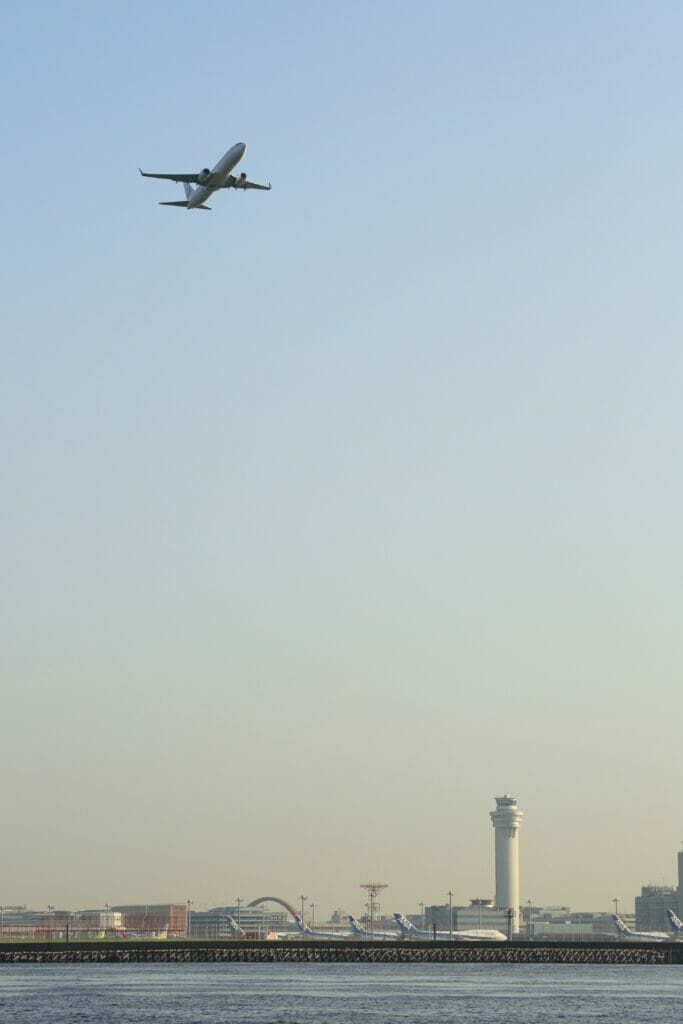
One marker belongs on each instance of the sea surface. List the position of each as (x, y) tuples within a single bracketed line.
[(338, 994)]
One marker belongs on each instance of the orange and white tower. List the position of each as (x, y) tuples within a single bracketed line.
[(373, 890)]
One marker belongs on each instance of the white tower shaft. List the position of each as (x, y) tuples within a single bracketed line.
[(506, 822)]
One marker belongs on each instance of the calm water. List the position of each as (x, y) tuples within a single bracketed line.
[(338, 994)]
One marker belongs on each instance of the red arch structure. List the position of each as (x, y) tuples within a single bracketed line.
[(275, 899)]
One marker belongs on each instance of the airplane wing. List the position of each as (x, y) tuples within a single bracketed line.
[(240, 182), (191, 179)]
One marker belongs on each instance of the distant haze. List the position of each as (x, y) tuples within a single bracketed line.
[(334, 513)]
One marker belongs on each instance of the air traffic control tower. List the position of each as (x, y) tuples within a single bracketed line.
[(506, 821)]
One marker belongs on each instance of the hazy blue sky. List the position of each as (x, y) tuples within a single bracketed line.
[(333, 513)]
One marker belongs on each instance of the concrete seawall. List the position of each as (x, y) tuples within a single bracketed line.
[(231, 951)]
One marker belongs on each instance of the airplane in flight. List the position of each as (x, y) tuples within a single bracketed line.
[(362, 933), (209, 181), (308, 932), (625, 933), (474, 935), (675, 924)]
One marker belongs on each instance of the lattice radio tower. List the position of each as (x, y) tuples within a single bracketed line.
[(373, 889)]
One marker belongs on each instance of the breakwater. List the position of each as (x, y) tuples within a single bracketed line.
[(232, 951)]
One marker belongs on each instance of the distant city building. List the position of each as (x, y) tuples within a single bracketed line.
[(435, 916), (99, 920), (565, 931), (19, 922), (258, 921), (561, 924), (652, 905), (479, 914), (469, 918), (210, 924), (507, 819), (155, 918), (20, 915)]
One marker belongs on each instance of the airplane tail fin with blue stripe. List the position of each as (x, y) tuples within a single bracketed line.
[(675, 922), (620, 926), (404, 924), (238, 932), (356, 928), (301, 924)]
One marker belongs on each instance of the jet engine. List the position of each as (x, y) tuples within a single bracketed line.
[(241, 178), (204, 176)]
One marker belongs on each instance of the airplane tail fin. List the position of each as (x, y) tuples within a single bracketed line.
[(188, 189), (403, 923), (620, 926), (235, 928), (356, 928), (675, 922)]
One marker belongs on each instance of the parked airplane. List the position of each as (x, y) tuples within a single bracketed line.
[(362, 933), (208, 182), (675, 924), (308, 932), (474, 935), (625, 933)]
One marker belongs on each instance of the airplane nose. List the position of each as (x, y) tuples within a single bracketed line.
[(242, 146)]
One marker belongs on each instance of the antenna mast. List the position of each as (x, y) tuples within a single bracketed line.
[(373, 889)]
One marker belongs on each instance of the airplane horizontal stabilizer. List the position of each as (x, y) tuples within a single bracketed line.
[(183, 202)]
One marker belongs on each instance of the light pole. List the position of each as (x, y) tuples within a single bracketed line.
[(615, 901), (189, 916), (50, 910), (312, 906), (528, 921), (238, 901), (450, 916), (302, 898), (422, 915)]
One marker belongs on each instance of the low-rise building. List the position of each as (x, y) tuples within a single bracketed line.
[(154, 918)]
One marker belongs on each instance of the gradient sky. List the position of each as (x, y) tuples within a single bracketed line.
[(331, 514)]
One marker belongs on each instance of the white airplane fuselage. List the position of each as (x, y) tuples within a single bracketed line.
[(473, 935), (308, 933), (625, 933), (219, 175), (362, 933)]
